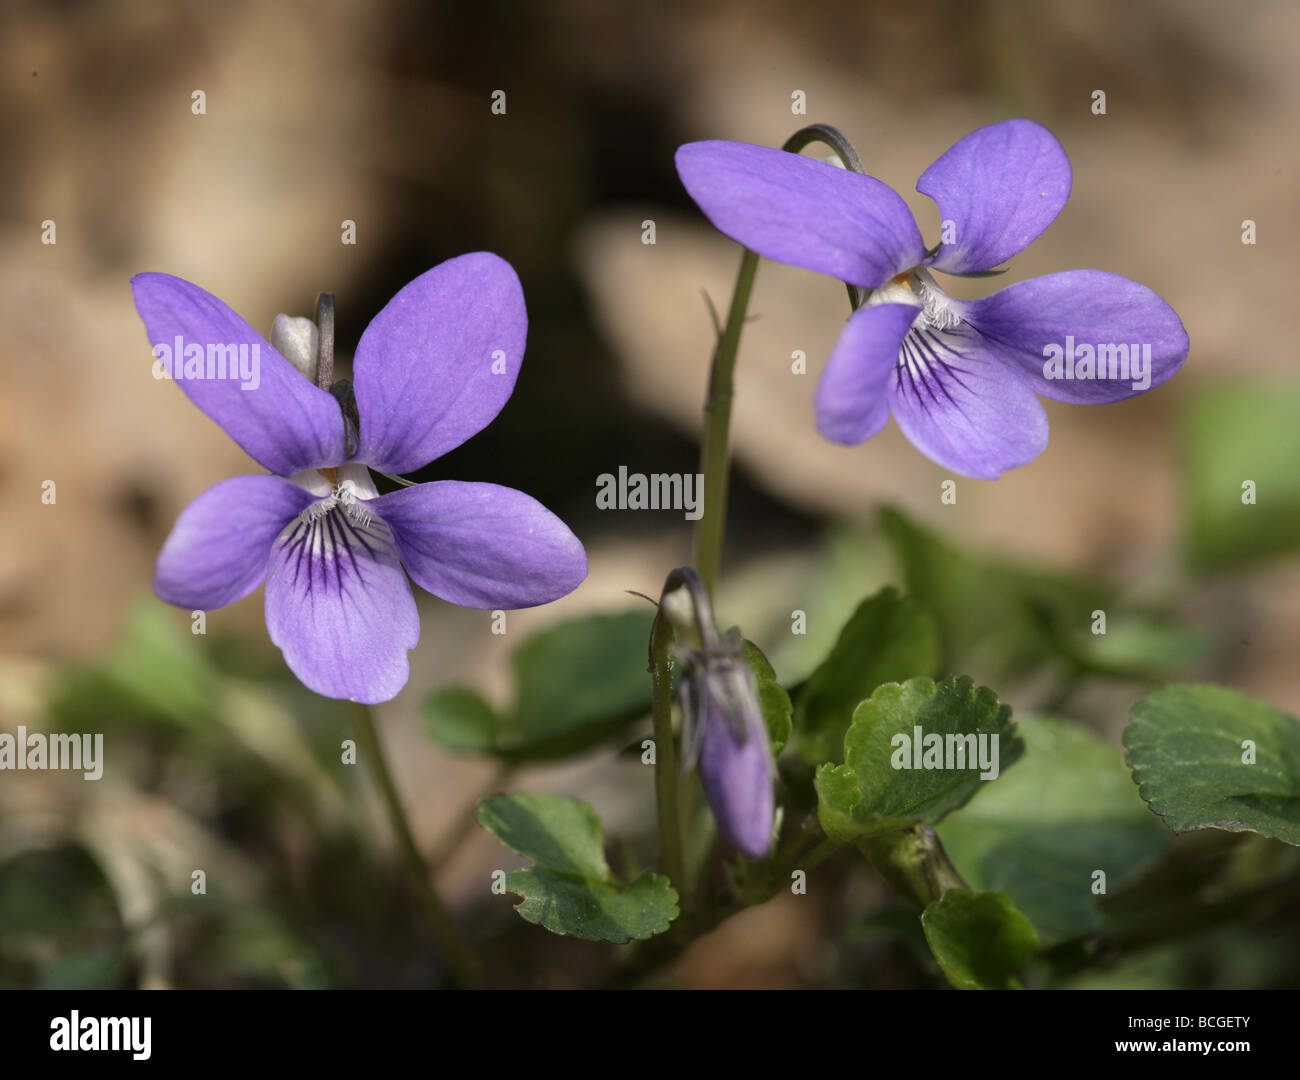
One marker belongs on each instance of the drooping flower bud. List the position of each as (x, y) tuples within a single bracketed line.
[(735, 757), (723, 729)]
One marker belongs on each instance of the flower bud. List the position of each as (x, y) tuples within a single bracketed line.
[(723, 728), (737, 778), (735, 757)]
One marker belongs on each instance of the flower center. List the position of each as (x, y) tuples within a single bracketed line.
[(345, 498), (940, 312), (918, 288), (346, 488)]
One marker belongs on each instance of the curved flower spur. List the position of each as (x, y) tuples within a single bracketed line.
[(434, 367), (961, 378)]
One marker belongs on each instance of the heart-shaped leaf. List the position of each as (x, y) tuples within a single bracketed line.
[(570, 889), (887, 639), (576, 685), (1209, 757), (913, 753), (979, 938), (1042, 833)]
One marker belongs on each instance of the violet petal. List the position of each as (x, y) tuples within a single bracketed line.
[(797, 210), (737, 779), (1075, 308), (1000, 187), (963, 408), (340, 608), (483, 545), (284, 422), (437, 364), (852, 402), (218, 549)]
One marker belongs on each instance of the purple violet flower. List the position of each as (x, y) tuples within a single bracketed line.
[(736, 770), (725, 732), (433, 368), (961, 378)]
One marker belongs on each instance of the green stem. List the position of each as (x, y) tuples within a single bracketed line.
[(457, 951), (691, 622), (717, 429), (671, 848), (914, 863), (806, 850), (717, 408)]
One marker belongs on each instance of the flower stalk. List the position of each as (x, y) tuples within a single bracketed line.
[(464, 963), (717, 429), (714, 450), (914, 864), (668, 809), (696, 619)]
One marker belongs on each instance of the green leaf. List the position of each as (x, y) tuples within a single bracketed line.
[(570, 888), (161, 664), (1001, 620), (460, 719), (996, 618), (1040, 833), (581, 672), (772, 698), (1137, 646), (158, 673), (576, 685), (1232, 433), (868, 795), (1186, 749), (887, 639), (979, 938)]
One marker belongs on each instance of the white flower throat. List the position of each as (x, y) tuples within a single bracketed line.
[(345, 497), (919, 289), (347, 488)]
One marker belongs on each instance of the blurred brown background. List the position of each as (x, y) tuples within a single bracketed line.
[(379, 112)]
